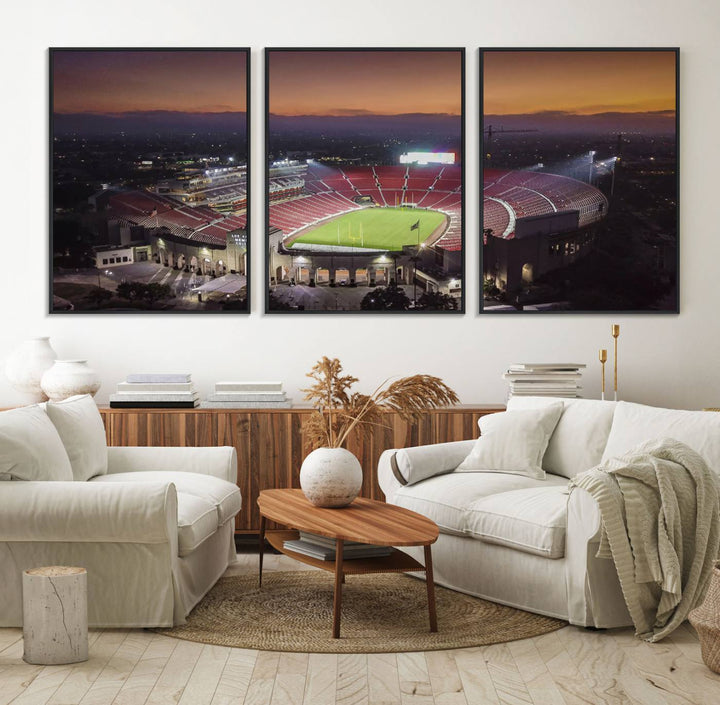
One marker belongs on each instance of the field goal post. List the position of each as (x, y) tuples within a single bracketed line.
[(400, 202)]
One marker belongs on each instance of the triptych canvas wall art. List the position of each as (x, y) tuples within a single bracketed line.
[(364, 181), (579, 180), (149, 189)]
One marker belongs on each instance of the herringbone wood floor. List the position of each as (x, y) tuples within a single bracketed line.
[(570, 666)]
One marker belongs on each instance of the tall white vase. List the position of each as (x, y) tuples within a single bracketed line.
[(331, 477), (66, 378), (26, 366)]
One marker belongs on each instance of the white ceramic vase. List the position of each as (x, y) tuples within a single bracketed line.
[(26, 366), (66, 378), (331, 477)]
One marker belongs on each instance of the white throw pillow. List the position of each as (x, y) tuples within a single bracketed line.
[(513, 442), (30, 447), (634, 424), (579, 439), (81, 429)]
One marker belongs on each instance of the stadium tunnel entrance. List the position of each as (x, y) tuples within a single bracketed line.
[(343, 276), (381, 277)]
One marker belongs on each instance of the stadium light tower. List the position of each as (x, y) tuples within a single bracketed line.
[(612, 183), (592, 154)]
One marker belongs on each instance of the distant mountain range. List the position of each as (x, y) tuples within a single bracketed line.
[(148, 122), (437, 125), (659, 122)]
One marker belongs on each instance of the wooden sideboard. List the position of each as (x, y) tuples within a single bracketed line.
[(270, 443)]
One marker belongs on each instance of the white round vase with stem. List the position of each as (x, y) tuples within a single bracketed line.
[(67, 378), (331, 477), (26, 366)]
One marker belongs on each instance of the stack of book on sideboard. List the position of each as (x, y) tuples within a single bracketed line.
[(323, 548), (247, 395), (544, 379), (155, 391)]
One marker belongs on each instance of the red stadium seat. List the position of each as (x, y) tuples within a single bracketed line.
[(533, 193)]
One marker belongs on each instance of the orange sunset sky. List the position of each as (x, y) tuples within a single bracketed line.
[(111, 82), (362, 82), (580, 82)]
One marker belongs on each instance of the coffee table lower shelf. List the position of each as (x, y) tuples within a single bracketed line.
[(396, 562)]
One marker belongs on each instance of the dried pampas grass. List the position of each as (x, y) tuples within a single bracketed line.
[(338, 410)]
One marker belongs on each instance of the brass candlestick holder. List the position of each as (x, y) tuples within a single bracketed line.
[(603, 360), (615, 330)]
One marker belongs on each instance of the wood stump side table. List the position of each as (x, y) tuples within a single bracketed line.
[(55, 623), (364, 520)]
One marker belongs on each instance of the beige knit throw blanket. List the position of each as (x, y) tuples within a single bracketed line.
[(660, 524)]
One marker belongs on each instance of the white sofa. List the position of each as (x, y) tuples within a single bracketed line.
[(528, 542), (154, 527)]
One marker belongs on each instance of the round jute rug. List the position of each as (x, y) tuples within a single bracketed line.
[(380, 613)]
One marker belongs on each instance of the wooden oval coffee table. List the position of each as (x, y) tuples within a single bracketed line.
[(366, 521)]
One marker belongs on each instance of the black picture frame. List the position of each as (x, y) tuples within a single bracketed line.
[(457, 261), (213, 220), (660, 279)]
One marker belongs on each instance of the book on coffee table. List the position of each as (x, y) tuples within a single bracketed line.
[(326, 541), (327, 553)]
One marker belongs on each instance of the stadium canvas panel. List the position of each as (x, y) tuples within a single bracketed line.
[(149, 180), (580, 180), (365, 180)]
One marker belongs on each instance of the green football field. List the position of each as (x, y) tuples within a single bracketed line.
[(375, 228)]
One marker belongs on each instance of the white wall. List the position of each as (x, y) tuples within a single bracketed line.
[(666, 360)]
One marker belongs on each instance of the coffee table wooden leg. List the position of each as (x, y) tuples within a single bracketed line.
[(337, 598), (261, 548), (429, 580)]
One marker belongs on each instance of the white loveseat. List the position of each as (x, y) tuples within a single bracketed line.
[(154, 527), (528, 542)]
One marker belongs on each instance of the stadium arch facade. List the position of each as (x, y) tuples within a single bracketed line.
[(149, 226), (534, 222)]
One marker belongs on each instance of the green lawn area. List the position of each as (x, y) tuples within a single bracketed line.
[(375, 228)]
